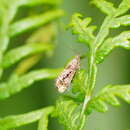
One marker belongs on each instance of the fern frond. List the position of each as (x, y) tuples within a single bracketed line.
[(8, 28), (122, 40), (47, 34), (104, 47), (99, 47), (69, 114), (33, 22), (16, 54), (120, 21), (24, 119), (37, 2), (108, 95), (16, 83), (109, 9), (123, 7), (106, 7), (81, 28), (78, 85), (110, 19)]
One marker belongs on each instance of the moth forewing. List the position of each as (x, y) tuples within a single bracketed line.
[(64, 79)]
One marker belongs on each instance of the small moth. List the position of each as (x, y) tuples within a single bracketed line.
[(64, 79)]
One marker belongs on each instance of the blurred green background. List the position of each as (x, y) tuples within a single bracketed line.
[(114, 70)]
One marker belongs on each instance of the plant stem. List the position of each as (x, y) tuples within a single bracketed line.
[(92, 67), (92, 72)]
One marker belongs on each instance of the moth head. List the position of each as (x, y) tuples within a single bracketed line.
[(62, 89), (60, 85)]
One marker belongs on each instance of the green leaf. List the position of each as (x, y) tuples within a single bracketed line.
[(78, 85), (122, 40), (43, 123), (37, 2), (8, 10), (99, 47), (81, 28), (123, 7), (123, 20), (4, 39), (19, 53), (69, 114), (17, 83), (23, 119), (108, 95), (33, 22), (105, 7), (109, 21), (13, 5), (47, 34)]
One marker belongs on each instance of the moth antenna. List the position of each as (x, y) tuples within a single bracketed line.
[(73, 50), (76, 52)]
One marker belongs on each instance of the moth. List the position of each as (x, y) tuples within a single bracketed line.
[(64, 79)]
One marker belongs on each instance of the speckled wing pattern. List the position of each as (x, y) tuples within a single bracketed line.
[(64, 79)]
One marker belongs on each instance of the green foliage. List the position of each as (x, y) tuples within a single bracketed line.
[(23, 119), (9, 29), (122, 40), (81, 28), (78, 88), (108, 95), (106, 7), (31, 51), (33, 22), (73, 107), (11, 58), (16, 83), (100, 45), (68, 113)]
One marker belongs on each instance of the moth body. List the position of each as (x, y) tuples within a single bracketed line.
[(64, 79)]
